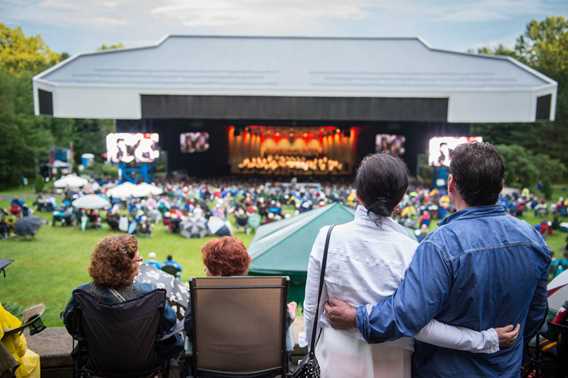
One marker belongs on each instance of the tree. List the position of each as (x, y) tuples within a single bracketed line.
[(544, 47), (26, 139), (524, 169), (113, 46), (21, 54)]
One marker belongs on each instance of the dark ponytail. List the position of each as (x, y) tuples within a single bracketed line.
[(380, 207), (381, 182)]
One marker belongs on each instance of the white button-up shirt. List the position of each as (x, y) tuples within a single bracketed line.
[(366, 262)]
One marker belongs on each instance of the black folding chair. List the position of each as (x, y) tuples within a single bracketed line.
[(118, 340), (239, 327)]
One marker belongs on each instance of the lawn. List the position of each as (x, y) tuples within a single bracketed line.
[(47, 268)]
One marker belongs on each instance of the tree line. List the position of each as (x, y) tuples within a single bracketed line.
[(26, 139), (534, 152)]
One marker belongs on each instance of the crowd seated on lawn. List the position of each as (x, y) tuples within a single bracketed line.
[(187, 205)]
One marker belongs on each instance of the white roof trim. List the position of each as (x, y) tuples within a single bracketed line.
[(417, 38)]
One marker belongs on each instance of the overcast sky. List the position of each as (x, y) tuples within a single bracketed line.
[(82, 25)]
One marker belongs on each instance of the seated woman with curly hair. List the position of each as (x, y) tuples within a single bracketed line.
[(114, 265)]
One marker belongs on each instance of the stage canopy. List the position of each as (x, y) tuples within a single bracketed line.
[(283, 248), (294, 78)]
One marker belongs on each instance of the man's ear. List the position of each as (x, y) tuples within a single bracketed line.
[(451, 184)]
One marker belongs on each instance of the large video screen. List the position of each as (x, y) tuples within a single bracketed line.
[(132, 147), (194, 142), (441, 148), (390, 144)]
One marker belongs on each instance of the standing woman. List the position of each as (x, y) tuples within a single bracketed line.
[(367, 259)]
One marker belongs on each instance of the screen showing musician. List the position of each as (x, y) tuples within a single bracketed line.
[(132, 148)]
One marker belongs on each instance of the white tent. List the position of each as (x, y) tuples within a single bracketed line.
[(146, 190), (70, 181), (558, 291), (91, 201), (123, 191), (558, 298), (558, 281)]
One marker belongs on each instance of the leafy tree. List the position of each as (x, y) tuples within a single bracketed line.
[(112, 46), (25, 138), (499, 50), (544, 47), (524, 169), (520, 170), (21, 54)]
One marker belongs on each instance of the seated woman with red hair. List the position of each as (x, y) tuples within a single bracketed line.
[(225, 257)]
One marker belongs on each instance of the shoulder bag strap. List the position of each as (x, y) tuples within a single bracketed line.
[(322, 274)]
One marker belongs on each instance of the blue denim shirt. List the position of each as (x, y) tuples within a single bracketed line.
[(480, 269)]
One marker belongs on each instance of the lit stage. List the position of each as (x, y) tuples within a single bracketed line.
[(323, 150)]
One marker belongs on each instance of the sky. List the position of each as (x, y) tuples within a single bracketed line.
[(76, 26)]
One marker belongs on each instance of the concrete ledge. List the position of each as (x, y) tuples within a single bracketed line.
[(54, 346)]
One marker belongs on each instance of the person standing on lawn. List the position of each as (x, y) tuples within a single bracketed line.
[(480, 269)]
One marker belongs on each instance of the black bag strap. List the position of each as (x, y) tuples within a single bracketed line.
[(322, 274)]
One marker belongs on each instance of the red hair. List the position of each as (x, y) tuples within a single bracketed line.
[(226, 256)]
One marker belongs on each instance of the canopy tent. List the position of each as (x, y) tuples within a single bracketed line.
[(127, 189), (70, 181), (283, 248), (91, 201), (123, 191)]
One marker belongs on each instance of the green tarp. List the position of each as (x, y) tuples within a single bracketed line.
[(283, 248)]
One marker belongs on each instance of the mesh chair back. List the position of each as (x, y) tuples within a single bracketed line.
[(239, 326), (121, 338)]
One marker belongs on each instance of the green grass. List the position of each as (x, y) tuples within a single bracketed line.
[(50, 266)]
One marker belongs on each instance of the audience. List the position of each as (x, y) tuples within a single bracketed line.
[(151, 261), (171, 266)]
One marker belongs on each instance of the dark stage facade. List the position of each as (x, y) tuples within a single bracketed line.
[(216, 160)]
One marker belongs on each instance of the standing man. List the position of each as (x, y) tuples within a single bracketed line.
[(481, 268)]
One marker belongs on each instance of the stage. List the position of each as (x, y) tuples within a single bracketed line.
[(243, 91), (231, 143)]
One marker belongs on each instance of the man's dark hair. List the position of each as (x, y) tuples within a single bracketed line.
[(169, 257), (381, 182), (478, 170)]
